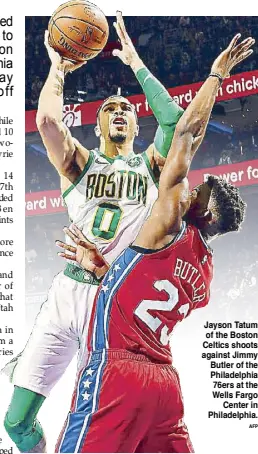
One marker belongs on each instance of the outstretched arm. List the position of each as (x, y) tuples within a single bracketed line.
[(166, 111), (66, 154), (166, 215)]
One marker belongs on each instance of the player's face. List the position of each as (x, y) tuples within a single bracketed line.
[(199, 200), (117, 121), (199, 208)]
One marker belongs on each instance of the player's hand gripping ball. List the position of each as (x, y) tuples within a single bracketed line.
[(78, 30)]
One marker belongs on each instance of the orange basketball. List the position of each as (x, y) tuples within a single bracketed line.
[(78, 30)]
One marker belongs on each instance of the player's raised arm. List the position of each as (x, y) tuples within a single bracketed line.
[(165, 109), (173, 197), (68, 158)]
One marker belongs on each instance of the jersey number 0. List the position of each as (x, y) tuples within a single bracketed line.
[(106, 221)]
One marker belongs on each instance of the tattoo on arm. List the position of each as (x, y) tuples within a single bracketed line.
[(59, 85)]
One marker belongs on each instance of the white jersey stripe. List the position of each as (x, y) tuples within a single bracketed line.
[(126, 271)]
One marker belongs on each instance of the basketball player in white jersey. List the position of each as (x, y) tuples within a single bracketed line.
[(108, 195)]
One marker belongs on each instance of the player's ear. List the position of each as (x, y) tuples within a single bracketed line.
[(97, 131)]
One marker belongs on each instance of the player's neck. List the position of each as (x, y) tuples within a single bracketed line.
[(124, 149), (112, 149)]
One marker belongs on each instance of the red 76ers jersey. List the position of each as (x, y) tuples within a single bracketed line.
[(146, 293)]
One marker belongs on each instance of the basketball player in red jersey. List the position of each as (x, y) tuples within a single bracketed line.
[(128, 398)]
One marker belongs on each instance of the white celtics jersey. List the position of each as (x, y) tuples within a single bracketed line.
[(111, 199)]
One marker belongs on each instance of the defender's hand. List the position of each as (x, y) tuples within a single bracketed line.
[(232, 55), (58, 61), (85, 253), (128, 54)]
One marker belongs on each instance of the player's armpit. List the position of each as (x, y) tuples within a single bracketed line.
[(156, 160), (81, 155)]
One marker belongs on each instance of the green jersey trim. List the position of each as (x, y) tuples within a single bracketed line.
[(80, 275), (111, 160), (108, 159), (87, 166), (147, 162)]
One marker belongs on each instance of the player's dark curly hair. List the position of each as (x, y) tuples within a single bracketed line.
[(228, 205)]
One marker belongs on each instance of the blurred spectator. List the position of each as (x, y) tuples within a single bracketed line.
[(49, 183), (144, 38), (225, 158), (208, 160), (34, 182), (30, 255)]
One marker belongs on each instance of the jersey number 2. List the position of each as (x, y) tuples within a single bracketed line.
[(154, 322)]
